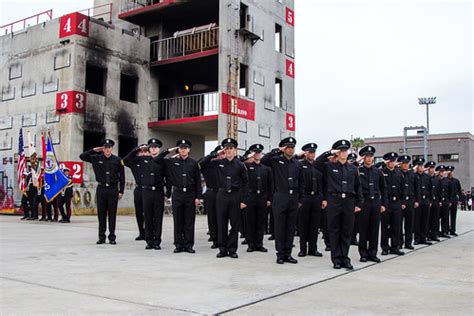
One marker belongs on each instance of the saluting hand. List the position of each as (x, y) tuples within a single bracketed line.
[(282, 148), (120, 195), (173, 149), (98, 149)]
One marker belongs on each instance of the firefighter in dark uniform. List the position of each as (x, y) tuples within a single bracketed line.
[(259, 198), (410, 203), (287, 195), (422, 213), (455, 195), (209, 172), (445, 200), (375, 202), (184, 174), (309, 214), (231, 197), (352, 158), (391, 219), (133, 161), (343, 198), (435, 195), (65, 198), (110, 175)]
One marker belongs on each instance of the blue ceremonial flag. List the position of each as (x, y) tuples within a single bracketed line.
[(54, 179)]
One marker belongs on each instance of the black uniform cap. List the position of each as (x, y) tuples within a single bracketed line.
[(108, 142), (392, 156), (311, 147), (404, 159), (352, 156), (367, 150), (342, 144), (229, 142), (289, 141), (430, 164), (258, 148), (440, 168), (154, 142), (419, 161), (183, 143)]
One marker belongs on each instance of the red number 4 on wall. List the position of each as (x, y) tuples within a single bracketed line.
[(74, 24)]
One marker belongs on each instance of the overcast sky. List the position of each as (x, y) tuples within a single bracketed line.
[(362, 64)]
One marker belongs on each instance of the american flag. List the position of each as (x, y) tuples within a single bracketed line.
[(21, 164)]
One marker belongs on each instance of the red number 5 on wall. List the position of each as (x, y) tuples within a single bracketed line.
[(74, 24), (290, 17)]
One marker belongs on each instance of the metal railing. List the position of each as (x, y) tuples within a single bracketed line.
[(186, 44), (100, 12), (185, 106), (128, 5), (26, 22)]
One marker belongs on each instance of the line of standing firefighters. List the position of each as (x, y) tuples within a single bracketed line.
[(335, 193)]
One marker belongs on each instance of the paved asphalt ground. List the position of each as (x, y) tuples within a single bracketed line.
[(55, 269)]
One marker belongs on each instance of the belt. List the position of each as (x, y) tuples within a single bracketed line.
[(423, 197), (290, 192), (312, 193), (107, 185), (341, 195), (212, 189), (153, 188), (371, 197), (394, 198), (183, 189), (257, 191), (229, 190)]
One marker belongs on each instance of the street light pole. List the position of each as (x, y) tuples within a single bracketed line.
[(427, 102)]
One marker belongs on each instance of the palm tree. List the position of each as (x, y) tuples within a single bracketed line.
[(357, 143)]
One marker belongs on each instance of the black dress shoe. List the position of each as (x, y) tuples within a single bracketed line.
[(157, 247), (302, 254), (354, 243), (190, 250), (210, 239), (148, 246), (112, 242), (327, 248), (233, 255), (348, 266), (425, 242), (453, 234), (262, 249), (384, 252), (409, 247), (271, 237), (24, 217), (244, 242), (416, 243), (221, 254), (280, 261), (363, 259), (250, 249), (29, 218), (34, 218), (435, 239), (41, 219), (214, 246), (140, 237), (337, 266), (444, 236), (177, 250), (397, 252), (100, 241), (374, 259), (290, 259), (315, 254)]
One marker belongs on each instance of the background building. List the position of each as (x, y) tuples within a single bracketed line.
[(456, 149), (131, 70)]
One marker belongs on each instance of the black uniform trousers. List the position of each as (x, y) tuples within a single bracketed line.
[(285, 210), (25, 205), (228, 210), (391, 221), (65, 201), (324, 227), (41, 200), (32, 193), (270, 223), (408, 219), (356, 229), (184, 218), (369, 223), (309, 218), (153, 207), (255, 218), (422, 214), (434, 219), (444, 217), (52, 209), (139, 213), (210, 206), (453, 209), (340, 215), (107, 200)]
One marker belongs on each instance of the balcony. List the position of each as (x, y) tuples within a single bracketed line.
[(192, 114), (186, 45)]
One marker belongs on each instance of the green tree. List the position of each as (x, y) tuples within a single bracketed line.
[(358, 143)]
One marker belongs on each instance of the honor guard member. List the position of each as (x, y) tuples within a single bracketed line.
[(375, 202), (231, 197), (209, 172), (435, 195), (391, 219), (151, 173), (65, 198), (184, 174), (352, 158), (287, 195), (110, 176), (409, 203), (259, 198), (309, 214), (133, 161), (445, 201), (343, 198), (455, 195), (422, 214), (25, 199)]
